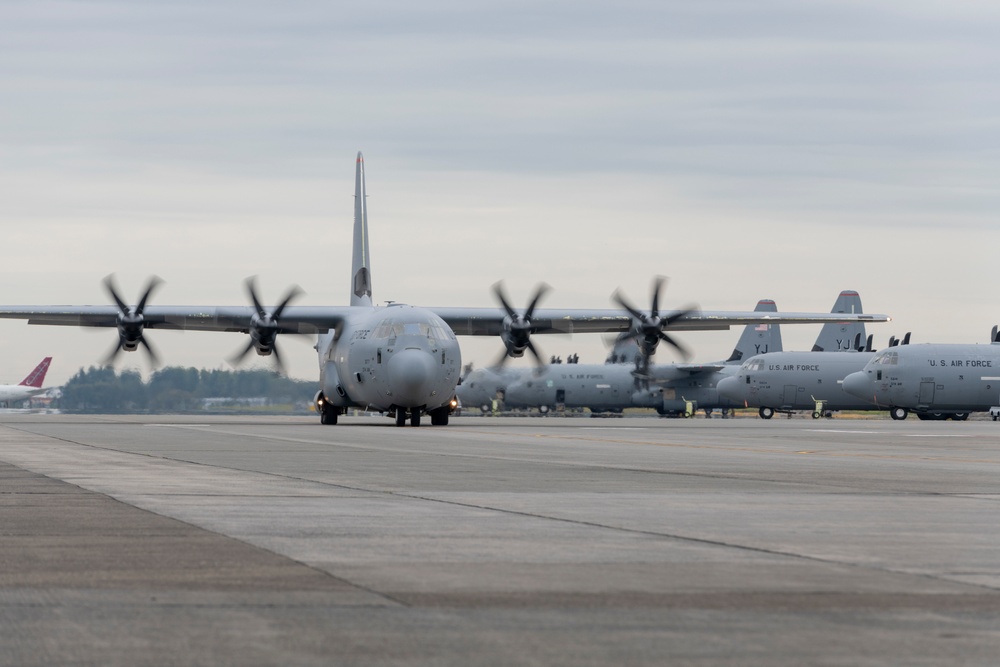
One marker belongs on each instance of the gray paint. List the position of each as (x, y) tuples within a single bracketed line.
[(614, 387), (930, 378), (761, 381)]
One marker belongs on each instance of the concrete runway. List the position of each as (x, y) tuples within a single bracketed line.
[(275, 541)]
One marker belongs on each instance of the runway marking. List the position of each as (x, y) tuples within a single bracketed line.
[(834, 430), (614, 428), (937, 435)]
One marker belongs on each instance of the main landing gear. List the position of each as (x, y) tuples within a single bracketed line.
[(898, 414), (439, 416)]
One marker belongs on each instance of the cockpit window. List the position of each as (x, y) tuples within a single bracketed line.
[(753, 365), (392, 328), (887, 358)]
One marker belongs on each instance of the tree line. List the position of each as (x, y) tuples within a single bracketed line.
[(177, 389)]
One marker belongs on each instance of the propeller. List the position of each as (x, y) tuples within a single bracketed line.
[(647, 328), (131, 321), (517, 327), (265, 326)]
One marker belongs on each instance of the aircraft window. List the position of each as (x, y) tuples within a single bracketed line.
[(384, 329), (410, 329), (889, 359), (391, 328)]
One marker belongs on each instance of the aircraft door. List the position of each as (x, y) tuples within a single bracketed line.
[(790, 391), (926, 393), (560, 396)]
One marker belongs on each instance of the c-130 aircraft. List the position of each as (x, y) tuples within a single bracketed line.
[(400, 360)]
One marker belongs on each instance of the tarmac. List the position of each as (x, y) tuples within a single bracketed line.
[(276, 541)]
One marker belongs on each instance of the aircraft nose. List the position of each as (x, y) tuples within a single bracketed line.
[(411, 374), (859, 384), (730, 388)]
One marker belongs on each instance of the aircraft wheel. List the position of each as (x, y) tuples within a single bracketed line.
[(415, 417), (328, 418), (485, 409), (898, 413), (439, 416), (543, 409), (816, 415), (400, 417), (960, 416), (766, 413)]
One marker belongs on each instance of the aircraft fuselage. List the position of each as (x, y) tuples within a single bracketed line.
[(931, 378), (789, 381), (387, 358), (613, 387), (17, 392)]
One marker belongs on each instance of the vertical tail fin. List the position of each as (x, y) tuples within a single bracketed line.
[(758, 338), (37, 377), (839, 336), (361, 280)]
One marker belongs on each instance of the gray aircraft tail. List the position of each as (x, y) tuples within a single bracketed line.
[(361, 279), (757, 338), (840, 336)]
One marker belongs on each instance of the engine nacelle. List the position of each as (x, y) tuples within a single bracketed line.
[(516, 343)]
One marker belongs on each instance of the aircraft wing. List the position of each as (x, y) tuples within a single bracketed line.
[(695, 369), (660, 374), (300, 319), (490, 321), (463, 321)]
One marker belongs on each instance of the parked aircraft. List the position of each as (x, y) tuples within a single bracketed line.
[(28, 387), (401, 360), (705, 389), (942, 381), (669, 388), (480, 387), (790, 381)]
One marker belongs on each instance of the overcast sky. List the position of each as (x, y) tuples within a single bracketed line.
[(785, 150)]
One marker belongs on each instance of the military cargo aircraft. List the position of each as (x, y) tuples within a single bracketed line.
[(400, 360), (942, 381), (672, 389), (680, 389), (482, 387), (790, 381)]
